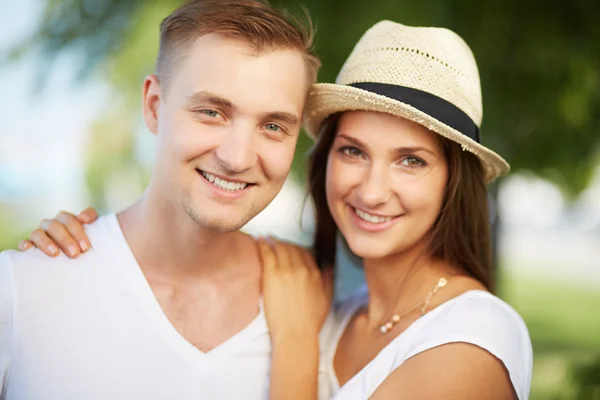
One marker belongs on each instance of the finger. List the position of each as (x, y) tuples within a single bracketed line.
[(296, 258), (309, 260), (59, 234), (88, 215), (25, 244), (42, 241), (281, 253), (75, 229), (267, 255)]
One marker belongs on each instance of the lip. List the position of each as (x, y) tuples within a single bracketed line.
[(218, 192), (225, 178), (370, 226)]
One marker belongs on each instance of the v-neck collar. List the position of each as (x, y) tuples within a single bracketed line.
[(143, 290)]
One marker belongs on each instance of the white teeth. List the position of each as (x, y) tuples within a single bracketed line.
[(375, 219), (223, 184)]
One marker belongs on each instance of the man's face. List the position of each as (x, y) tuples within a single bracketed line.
[(227, 128)]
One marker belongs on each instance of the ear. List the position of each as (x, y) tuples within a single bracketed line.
[(151, 102)]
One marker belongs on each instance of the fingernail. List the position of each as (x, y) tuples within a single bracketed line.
[(52, 249), (72, 250), (83, 245)]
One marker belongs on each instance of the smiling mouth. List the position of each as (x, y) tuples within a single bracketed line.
[(223, 184), (372, 218)]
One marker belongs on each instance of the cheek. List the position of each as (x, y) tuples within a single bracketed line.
[(276, 157), (340, 179), (425, 197), (182, 137), (332, 183)]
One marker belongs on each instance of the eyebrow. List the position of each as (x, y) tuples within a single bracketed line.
[(214, 99), (211, 98), (281, 116), (398, 150)]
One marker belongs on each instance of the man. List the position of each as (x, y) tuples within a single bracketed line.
[(167, 303)]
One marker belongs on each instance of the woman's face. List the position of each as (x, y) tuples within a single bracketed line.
[(386, 178)]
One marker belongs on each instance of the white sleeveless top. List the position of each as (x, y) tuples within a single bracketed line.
[(475, 317)]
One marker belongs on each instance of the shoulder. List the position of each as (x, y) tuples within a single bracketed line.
[(6, 309), (34, 261), (97, 231), (481, 319), (7, 334), (106, 226), (6, 284), (479, 314), (33, 268)]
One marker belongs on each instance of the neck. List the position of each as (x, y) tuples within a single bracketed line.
[(399, 282), (166, 241)]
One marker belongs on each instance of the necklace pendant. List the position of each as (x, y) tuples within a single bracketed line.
[(386, 327)]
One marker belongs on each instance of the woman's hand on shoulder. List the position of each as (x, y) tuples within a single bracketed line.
[(64, 232), (297, 293)]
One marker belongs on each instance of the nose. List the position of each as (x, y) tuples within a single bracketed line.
[(375, 188), (236, 152)]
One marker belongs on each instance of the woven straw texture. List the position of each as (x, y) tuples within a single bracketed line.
[(433, 60)]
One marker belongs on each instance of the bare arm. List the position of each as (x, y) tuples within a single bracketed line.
[(297, 297), (295, 368), (451, 371)]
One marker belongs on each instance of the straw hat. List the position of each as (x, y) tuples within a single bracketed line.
[(427, 75)]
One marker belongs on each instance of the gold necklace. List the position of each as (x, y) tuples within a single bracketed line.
[(387, 326)]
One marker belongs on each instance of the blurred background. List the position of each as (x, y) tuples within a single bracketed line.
[(72, 136)]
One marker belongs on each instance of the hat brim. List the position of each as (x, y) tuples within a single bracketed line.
[(326, 99)]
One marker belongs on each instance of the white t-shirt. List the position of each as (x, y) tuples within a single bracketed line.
[(475, 317), (91, 329)]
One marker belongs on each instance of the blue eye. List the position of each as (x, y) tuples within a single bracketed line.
[(210, 113), (272, 127), (411, 161)]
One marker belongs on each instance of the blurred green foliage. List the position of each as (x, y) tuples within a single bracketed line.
[(539, 63), (564, 327)]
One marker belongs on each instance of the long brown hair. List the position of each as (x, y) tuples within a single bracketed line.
[(461, 233)]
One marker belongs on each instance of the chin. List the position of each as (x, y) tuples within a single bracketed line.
[(219, 223), (224, 227), (374, 248), (223, 224), (369, 250)]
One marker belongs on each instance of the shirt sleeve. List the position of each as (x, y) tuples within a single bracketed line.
[(6, 319), (491, 324)]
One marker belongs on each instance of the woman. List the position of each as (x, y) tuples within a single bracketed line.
[(398, 171)]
